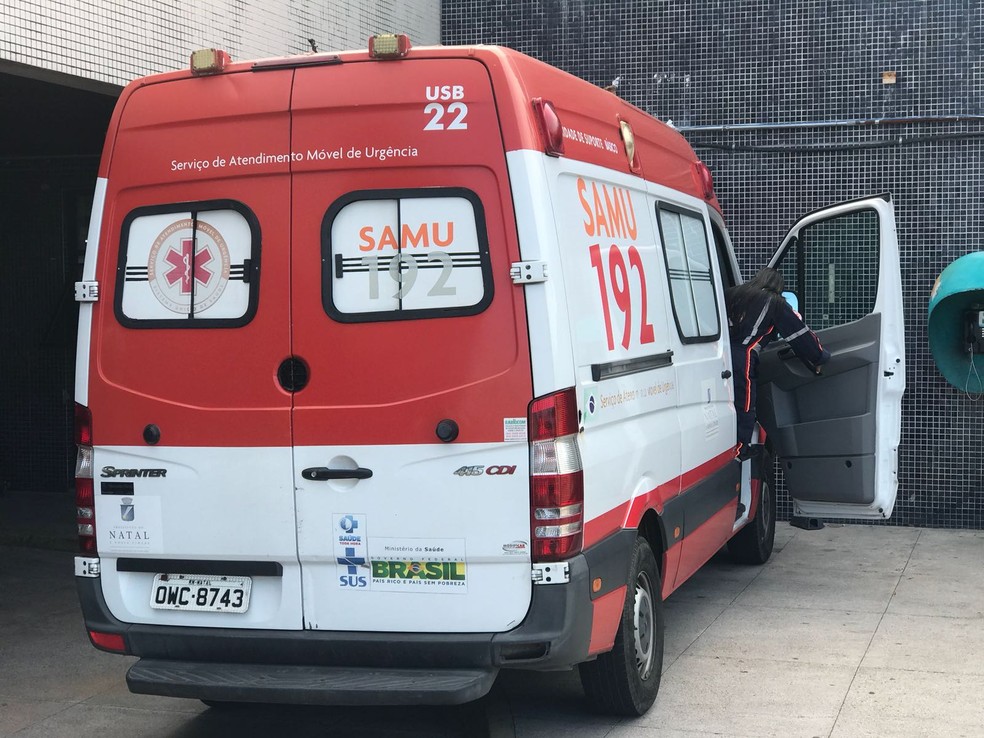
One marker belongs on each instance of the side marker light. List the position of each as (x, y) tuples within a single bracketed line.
[(108, 641), (550, 126)]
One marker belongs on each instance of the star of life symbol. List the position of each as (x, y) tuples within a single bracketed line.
[(188, 260), (181, 262)]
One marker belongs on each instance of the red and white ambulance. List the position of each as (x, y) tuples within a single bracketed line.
[(398, 367)]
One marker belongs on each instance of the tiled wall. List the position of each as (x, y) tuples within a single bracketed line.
[(818, 64), (44, 200), (115, 42)]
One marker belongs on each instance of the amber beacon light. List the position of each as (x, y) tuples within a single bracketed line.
[(209, 61), (389, 45)]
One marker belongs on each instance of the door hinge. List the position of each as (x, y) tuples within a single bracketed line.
[(555, 572), (87, 291), (528, 272), (87, 567)]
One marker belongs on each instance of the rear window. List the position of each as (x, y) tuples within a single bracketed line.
[(402, 254), (188, 265)]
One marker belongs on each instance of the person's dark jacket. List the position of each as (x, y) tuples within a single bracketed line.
[(769, 317)]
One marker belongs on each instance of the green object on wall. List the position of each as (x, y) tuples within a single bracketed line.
[(959, 290)]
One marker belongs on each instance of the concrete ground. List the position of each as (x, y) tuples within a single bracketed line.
[(848, 631)]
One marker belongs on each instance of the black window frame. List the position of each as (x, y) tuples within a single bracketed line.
[(711, 259), (380, 316), (799, 245), (251, 271)]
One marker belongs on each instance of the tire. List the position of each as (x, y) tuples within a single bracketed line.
[(753, 544), (625, 680)]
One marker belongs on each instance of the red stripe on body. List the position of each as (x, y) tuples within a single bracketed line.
[(605, 618), (671, 565), (753, 503), (628, 514), (701, 544)]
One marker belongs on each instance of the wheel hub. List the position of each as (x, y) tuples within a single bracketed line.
[(644, 626)]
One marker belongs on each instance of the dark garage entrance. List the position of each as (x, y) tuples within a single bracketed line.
[(53, 127)]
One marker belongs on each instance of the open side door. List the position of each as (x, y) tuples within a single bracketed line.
[(837, 434)]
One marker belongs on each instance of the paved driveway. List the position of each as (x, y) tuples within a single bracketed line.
[(849, 631)]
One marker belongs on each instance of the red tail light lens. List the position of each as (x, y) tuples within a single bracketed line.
[(83, 425), (557, 481), (550, 127), (85, 493), (554, 415)]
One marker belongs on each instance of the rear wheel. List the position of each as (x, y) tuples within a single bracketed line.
[(625, 680), (753, 543)]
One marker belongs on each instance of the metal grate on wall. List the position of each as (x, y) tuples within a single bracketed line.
[(43, 225), (795, 105)]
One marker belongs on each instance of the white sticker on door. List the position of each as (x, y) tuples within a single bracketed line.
[(434, 565), (130, 524), (514, 429), (350, 535)]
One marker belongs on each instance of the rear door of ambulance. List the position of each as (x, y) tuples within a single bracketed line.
[(195, 513), (411, 462)]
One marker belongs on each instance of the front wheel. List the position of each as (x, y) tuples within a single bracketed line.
[(625, 680)]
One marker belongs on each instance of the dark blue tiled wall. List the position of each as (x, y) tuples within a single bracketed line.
[(813, 62)]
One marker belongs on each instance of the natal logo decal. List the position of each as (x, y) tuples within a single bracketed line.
[(134, 526), (177, 270)]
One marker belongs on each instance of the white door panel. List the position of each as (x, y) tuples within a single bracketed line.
[(838, 434), (199, 505), (436, 540)]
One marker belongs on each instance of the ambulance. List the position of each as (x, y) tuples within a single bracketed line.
[(403, 366)]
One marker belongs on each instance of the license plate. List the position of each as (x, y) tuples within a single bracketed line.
[(200, 592)]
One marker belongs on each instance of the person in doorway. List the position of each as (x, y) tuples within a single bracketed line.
[(757, 314)]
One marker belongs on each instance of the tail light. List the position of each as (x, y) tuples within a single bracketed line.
[(550, 127), (85, 496), (557, 479)]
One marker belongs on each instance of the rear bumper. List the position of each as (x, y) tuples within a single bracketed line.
[(309, 685), (334, 667)]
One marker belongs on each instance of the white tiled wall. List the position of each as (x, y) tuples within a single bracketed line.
[(116, 41)]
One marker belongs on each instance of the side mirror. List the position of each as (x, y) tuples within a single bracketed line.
[(792, 299)]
